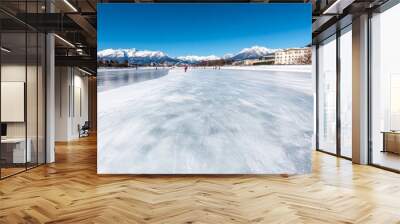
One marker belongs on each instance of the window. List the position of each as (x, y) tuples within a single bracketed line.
[(327, 95), (385, 89), (346, 92)]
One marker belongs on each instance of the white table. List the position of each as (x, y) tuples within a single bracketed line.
[(19, 153)]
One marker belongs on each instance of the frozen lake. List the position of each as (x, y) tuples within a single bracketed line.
[(113, 78), (206, 121)]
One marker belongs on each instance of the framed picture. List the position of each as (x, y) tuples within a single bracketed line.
[(208, 89)]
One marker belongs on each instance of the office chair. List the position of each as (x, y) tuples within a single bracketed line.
[(84, 130)]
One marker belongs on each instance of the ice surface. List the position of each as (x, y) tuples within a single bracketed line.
[(207, 121)]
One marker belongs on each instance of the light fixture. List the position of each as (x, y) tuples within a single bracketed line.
[(64, 40), (5, 50), (79, 51), (86, 72), (70, 5), (337, 7)]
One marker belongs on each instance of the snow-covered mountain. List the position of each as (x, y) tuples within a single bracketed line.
[(134, 56), (253, 53), (194, 58), (111, 53)]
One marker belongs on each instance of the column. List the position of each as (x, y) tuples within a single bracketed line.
[(360, 90)]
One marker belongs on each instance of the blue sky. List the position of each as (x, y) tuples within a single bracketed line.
[(203, 29)]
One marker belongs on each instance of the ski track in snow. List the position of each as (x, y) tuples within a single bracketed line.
[(207, 121)]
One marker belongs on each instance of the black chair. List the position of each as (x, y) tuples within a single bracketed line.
[(84, 130)]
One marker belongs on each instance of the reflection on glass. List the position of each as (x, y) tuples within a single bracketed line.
[(15, 151), (327, 95), (385, 93), (346, 92), (22, 90)]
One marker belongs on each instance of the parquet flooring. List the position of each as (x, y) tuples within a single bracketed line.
[(70, 191), (5, 172)]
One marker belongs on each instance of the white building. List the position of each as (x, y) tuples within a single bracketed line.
[(292, 56)]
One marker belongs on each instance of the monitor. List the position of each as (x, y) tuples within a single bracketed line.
[(3, 129)]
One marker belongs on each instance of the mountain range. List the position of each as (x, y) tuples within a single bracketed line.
[(134, 56)]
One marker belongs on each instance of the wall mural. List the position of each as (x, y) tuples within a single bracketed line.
[(204, 89)]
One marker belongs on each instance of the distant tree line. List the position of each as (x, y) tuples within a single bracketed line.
[(112, 63), (264, 63), (220, 62)]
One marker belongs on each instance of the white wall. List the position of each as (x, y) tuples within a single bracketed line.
[(14, 72), (17, 73), (13, 101), (79, 103), (33, 125), (70, 83), (62, 81)]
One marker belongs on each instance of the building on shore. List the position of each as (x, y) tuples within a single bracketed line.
[(268, 59), (246, 62), (290, 56), (264, 60), (293, 56)]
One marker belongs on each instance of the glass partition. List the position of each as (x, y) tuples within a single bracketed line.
[(13, 109), (31, 100), (23, 91), (346, 92), (385, 89), (41, 97), (327, 95)]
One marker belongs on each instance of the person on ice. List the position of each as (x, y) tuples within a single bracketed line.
[(186, 67)]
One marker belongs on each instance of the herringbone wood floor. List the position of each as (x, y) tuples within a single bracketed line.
[(70, 191)]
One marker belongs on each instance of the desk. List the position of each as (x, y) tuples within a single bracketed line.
[(15, 148), (391, 141)]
